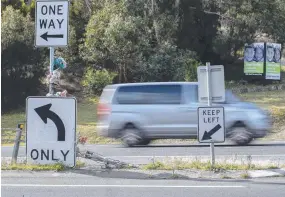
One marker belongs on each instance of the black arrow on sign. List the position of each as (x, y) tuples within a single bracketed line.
[(44, 113), (45, 36), (207, 135)]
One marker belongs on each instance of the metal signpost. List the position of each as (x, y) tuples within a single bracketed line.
[(51, 27), (211, 123)]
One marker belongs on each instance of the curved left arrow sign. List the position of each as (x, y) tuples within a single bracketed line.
[(44, 113)]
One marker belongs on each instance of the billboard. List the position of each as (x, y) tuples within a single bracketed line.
[(263, 59), (273, 61), (254, 59)]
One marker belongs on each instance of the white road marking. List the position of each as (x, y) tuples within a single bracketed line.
[(130, 186), (194, 156)]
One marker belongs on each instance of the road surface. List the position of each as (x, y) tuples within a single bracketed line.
[(271, 151), (47, 184)]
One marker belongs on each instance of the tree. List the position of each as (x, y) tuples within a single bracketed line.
[(138, 47), (22, 65), (167, 63), (114, 39)]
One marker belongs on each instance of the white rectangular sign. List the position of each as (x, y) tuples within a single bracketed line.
[(52, 23), (217, 83), (51, 130), (211, 124)]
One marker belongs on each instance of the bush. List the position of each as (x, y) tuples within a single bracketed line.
[(95, 80)]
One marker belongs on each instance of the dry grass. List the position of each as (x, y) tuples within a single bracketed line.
[(201, 165), (245, 176), (274, 102)]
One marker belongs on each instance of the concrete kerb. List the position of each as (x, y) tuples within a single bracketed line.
[(92, 168)]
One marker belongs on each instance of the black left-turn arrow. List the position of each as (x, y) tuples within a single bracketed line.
[(208, 135), (44, 113), (45, 36)]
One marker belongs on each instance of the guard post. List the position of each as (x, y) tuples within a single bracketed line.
[(19, 130)]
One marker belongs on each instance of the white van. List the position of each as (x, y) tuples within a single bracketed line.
[(140, 112)]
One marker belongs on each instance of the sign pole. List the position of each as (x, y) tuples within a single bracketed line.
[(212, 150), (51, 62)]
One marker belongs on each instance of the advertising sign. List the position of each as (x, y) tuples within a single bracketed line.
[(254, 59), (273, 61)]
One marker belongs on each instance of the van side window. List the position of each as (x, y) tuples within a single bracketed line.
[(149, 94)]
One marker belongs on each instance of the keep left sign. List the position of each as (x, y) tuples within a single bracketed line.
[(52, 23)]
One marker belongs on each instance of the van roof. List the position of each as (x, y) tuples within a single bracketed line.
[(151, 83)]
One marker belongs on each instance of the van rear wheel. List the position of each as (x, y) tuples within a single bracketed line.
[(131, 136)]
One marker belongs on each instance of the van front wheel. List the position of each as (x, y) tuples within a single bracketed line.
[(145, 142), (131, 136), (240, 135)]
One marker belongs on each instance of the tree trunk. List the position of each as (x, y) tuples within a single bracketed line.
[(120, 73), (155, 24), (125, 74)]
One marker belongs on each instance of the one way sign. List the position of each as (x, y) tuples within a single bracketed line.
[(211, 124), (51, 23)]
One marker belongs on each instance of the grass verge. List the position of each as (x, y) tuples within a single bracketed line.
[(30, 167), (245, 176), (33, 167), (199, 165)]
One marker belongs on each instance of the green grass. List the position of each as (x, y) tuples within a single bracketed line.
[(199, 165), (245, 176), (34, 167), (29, 167), (11, 119)]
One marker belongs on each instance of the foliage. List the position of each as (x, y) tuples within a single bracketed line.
[(95, 80), (25, 8), (21, 63), (79, 15), (142, 40), (167, 63), (125, 44)]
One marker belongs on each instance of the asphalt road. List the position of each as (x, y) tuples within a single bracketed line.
[(271, 151), (78, 185)]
